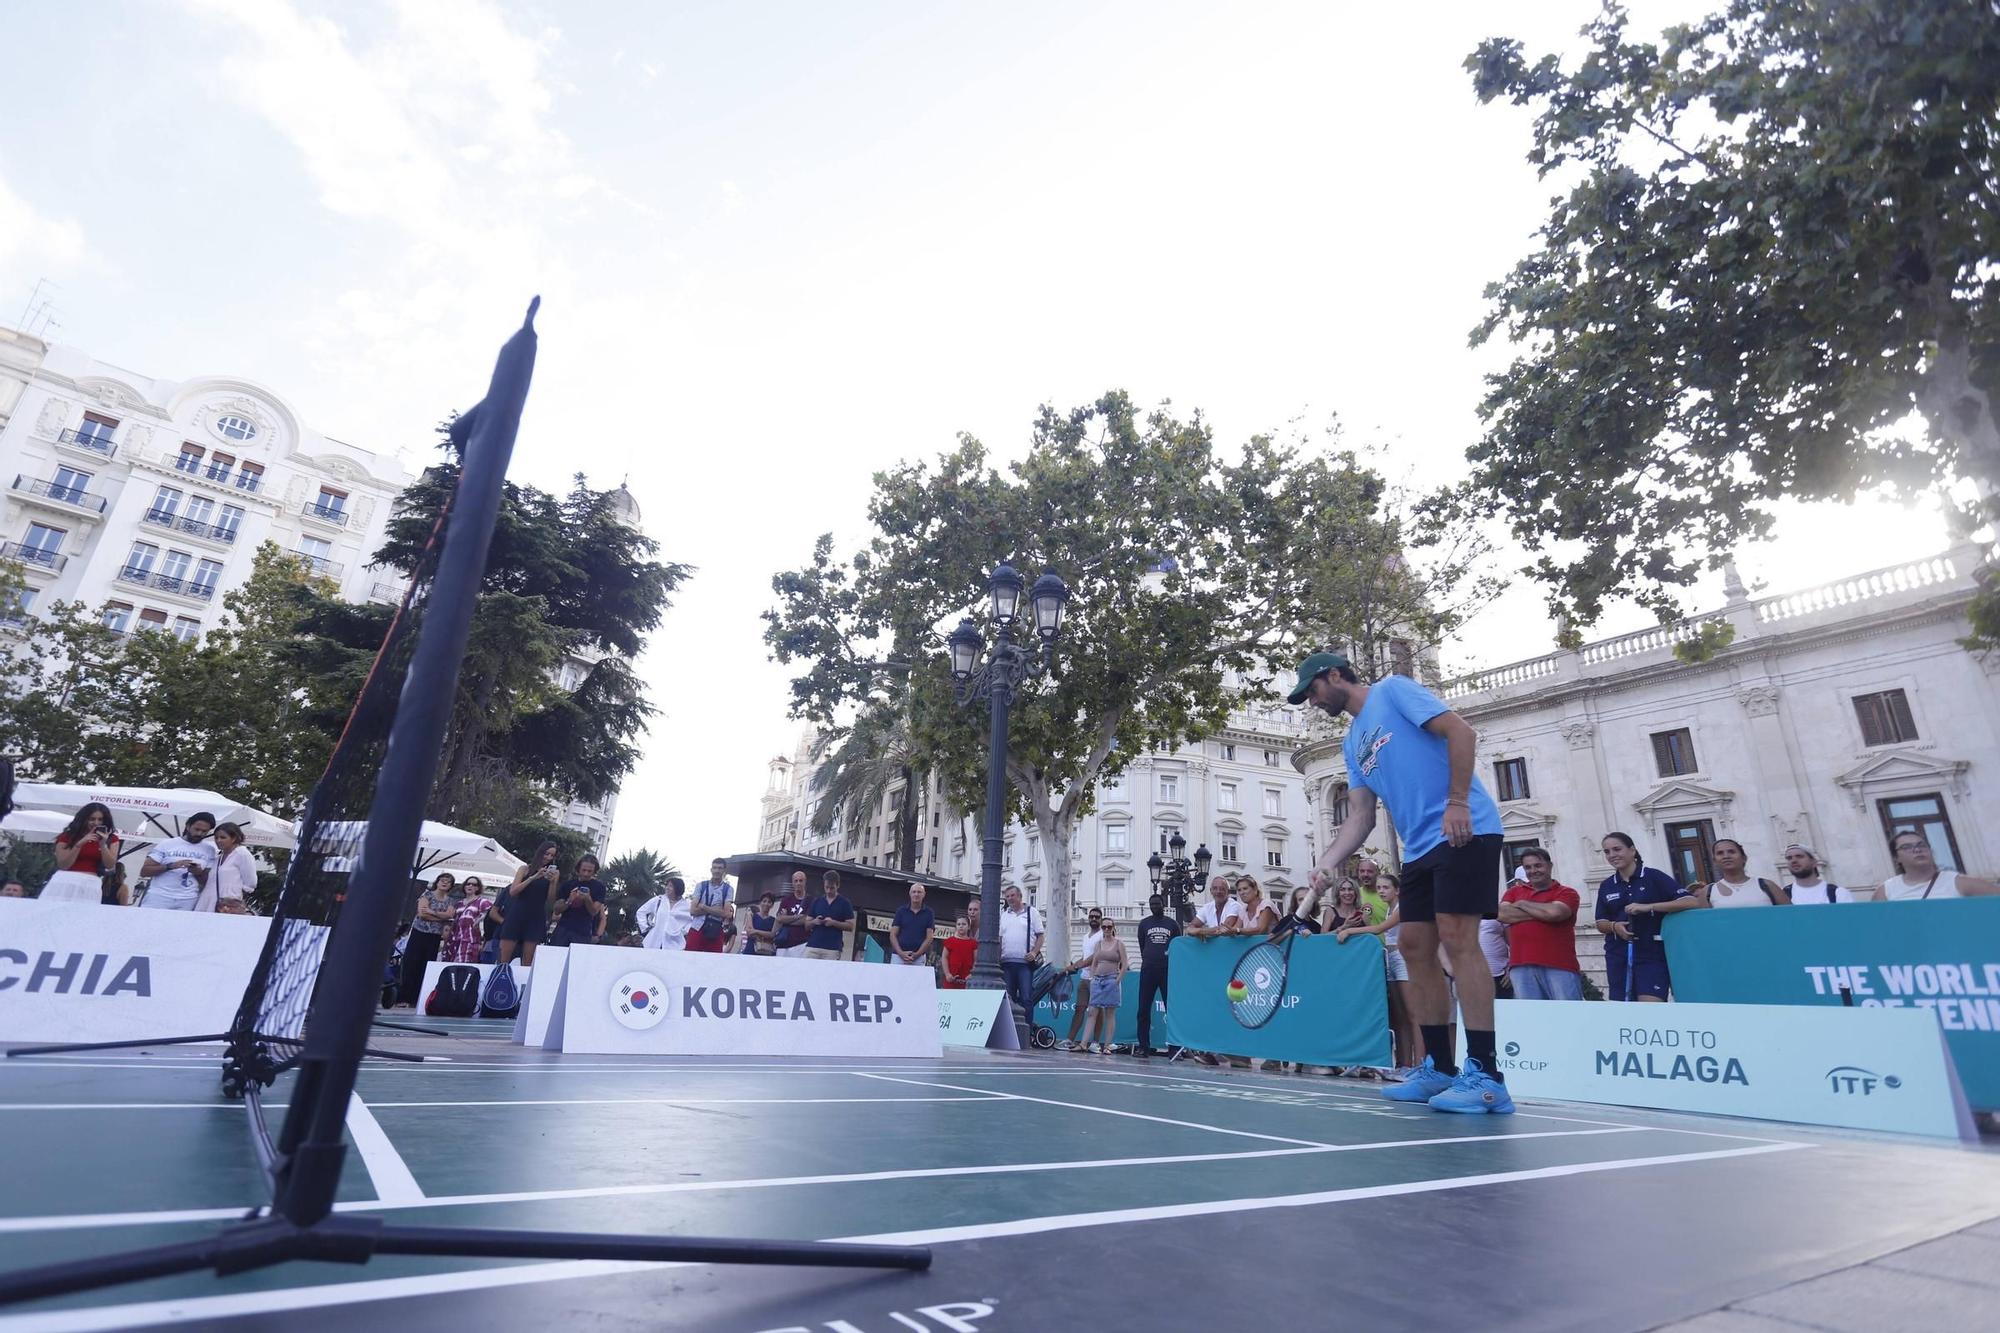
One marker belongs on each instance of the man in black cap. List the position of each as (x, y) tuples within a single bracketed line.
[(1156, 933), (1405, 747)]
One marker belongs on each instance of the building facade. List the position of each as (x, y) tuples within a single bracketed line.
[(1831, 717), (1237, 793), (147, 499)]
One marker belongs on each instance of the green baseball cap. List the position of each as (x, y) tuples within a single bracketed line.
[(1312, 669)]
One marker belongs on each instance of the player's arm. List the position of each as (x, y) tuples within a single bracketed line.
[(1353, 831), (1461, 745)]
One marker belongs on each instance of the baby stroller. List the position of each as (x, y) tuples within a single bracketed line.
[(392, 974), (1049, 984)]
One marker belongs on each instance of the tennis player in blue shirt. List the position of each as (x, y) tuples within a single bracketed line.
[(1407, 749)]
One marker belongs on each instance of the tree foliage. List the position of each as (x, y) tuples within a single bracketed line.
[(1149, 656), (631, 881), (859, 765), (1771, 274)]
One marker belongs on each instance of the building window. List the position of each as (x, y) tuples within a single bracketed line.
[(1114, 887), (934, 849), (236, 428), (1885, 718), (1512, 853), (1170, 788), (175, 566), (200, 509), (1925, 815), (1511, 777), (1166, 835), (219, 465), (142, 558), (1117, 838), (190, 459), (1673, 751), (69, 484), (117, 617), (15, 605), (96, 430), (1274, 853), (206, 575), (187, 629), (166, 503), (1402, 657), (1274, 802), (1687, 851), (1225, 796), (152, 619), (1229, 850), (1336, 803), (250, 477), (1229, 752), (1271, 759), (42, 544)]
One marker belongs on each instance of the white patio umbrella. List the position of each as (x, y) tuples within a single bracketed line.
[(34, 825), (440, 848), (151, 813)]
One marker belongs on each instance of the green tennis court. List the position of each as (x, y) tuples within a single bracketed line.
[(1036, 1177)]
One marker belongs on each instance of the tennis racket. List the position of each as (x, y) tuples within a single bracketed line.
[(1263, 971)]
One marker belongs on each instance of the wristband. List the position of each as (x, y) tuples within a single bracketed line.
[(1457, 800)]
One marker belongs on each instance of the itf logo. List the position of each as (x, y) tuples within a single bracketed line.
[(639, 1000), (1854, 1081)]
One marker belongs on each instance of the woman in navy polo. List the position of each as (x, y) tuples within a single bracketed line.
[(1630, 903)]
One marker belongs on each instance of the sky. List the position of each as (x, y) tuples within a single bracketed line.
[(782, 246)]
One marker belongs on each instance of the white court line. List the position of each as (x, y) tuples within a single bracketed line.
[(386, 1168), (89, 1220), (486, 1279), (548, 1101)]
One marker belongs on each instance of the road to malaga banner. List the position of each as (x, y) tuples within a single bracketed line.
[(1881, 1069), (1940, 957), (668, 1002), (1334, 1009)]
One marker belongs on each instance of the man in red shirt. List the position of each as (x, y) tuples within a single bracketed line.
[(1540, 917)]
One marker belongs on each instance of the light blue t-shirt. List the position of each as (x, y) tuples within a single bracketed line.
[(1409, 769)]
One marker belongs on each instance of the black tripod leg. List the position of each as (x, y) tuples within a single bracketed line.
[(411, 1027), (506, 1243), (89, 1274), (115, 1045), (393, 1055)]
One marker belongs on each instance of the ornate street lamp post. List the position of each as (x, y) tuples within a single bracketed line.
[(995, 679), (1177, 877)]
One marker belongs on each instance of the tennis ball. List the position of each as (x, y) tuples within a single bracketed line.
[(1238, 991)]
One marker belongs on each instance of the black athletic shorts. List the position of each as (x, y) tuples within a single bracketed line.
[(1458, 881)]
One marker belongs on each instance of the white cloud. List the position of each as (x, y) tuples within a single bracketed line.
[(30, 239)]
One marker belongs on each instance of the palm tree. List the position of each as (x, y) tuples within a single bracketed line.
[(633, 878), (857, 765)]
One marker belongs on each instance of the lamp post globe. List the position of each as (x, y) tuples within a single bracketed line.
[(1154, 865), (1202, 860), (966, 644), (1004, 587), (1051, 594)]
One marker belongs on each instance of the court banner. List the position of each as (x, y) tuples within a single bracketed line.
[(668, 1002), (975, 1018), (1329, 1005), (1056, 1014), (1886, 1069), (1940, 958), (80, 972), (538, 1002)]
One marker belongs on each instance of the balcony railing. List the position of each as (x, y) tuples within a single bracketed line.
[(38, 557), (189, 463), (320, 565), (194, 527), (184, 587), (249, 481), (386, 592), (326, 513), (101, 445), (69, 495)]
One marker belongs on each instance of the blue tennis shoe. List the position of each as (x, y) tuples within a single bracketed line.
[(1424, 1083), (1474, 1092)]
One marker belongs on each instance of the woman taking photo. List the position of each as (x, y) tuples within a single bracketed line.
[(955, 964), (467, 937), (228, 889), (85, 849), (1105, 957), (525, 909), (1349, 912), (436, 913)]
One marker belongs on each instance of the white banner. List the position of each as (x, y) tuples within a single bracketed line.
[(80, 972), (975, 1018), (538, 1002), (669, 1002), (1884, 1069)]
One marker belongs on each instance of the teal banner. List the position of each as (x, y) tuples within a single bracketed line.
[(1941, 956), (1332, 1009), (1056, 1015)]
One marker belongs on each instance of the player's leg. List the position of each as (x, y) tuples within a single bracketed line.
[(1428, 1000), (1467, 890)]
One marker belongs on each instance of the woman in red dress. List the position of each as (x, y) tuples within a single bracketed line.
[(84, 851), (959, 949)]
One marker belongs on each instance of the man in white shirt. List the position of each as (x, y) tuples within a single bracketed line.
[(179, 867), (666, 917), (1809, 888), (1213, 917), (1020, 947)]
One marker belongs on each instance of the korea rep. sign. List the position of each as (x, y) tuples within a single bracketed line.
[(1941, 956), (1329, 1007), (668, 1002)]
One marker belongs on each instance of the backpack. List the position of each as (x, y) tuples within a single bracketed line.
[(456, 994), (502, 997)]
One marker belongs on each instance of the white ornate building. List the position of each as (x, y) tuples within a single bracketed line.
[(1237, 793), (148, 498), (1831, 717)]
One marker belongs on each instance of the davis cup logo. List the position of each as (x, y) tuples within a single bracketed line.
[(639, 1000)]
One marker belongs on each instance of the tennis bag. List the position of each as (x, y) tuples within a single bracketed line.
[(457, 993), (502, 997)]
